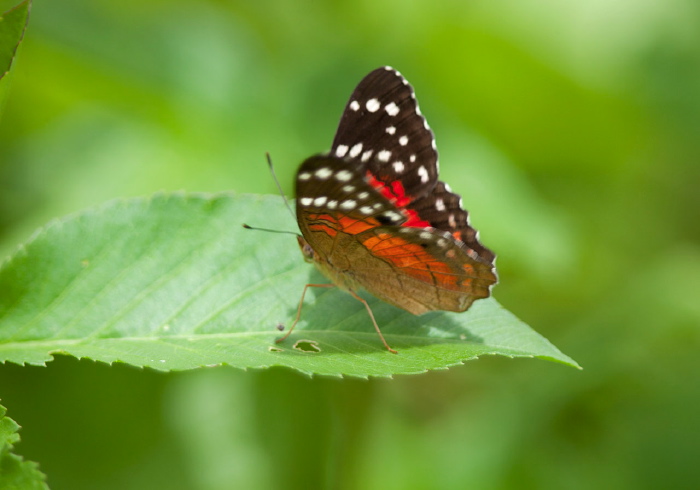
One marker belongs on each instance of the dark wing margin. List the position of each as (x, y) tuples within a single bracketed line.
[(382, 127)]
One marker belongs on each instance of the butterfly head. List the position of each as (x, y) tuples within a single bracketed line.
[(306, 250)]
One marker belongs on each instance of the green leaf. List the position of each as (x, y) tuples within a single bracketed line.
[(12, 26), (175, 282), (15, 473)]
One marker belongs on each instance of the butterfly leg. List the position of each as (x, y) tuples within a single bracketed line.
[(371, 315), (301, 303)]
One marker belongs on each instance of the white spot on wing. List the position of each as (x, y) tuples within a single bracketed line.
[(398, 167), (363, 195), (323, 173), (384, 155), (341, 151), (348, 204), (320, 201), (367, 155), (349, 188), (391, 109), (343, 175), (306, 201), (425, 235), (403, 140), (366, 210), (423, 174), (393, 215), (304, 176), (439, 204), (391, 130), (412, 158), (355, 150), (354, 105), (372, 105), (332, 204)]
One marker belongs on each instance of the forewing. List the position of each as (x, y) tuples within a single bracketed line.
[(334, 196), (383, 128)]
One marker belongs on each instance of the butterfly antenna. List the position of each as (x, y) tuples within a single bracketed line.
[(248, 227), (279, 187)]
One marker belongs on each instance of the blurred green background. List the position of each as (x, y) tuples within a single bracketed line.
[(571, 130)]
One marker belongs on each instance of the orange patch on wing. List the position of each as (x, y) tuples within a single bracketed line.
[(382, 242), (324, 228), (353, 226), (413, 260), (322, 217), (347, 224)]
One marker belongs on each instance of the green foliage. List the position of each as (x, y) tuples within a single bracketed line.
[(15, 473), (569, 128), (12, 26), (175, 282)]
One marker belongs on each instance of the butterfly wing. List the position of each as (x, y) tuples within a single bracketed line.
[(383, 129), (358, 239), (377, 216), (382, 126)]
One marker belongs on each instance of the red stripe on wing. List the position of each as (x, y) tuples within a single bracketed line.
[(396, 194)]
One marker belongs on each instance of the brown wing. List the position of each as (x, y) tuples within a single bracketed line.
[(421, 270)]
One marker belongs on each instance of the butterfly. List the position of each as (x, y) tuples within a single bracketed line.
[(374, 216)]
